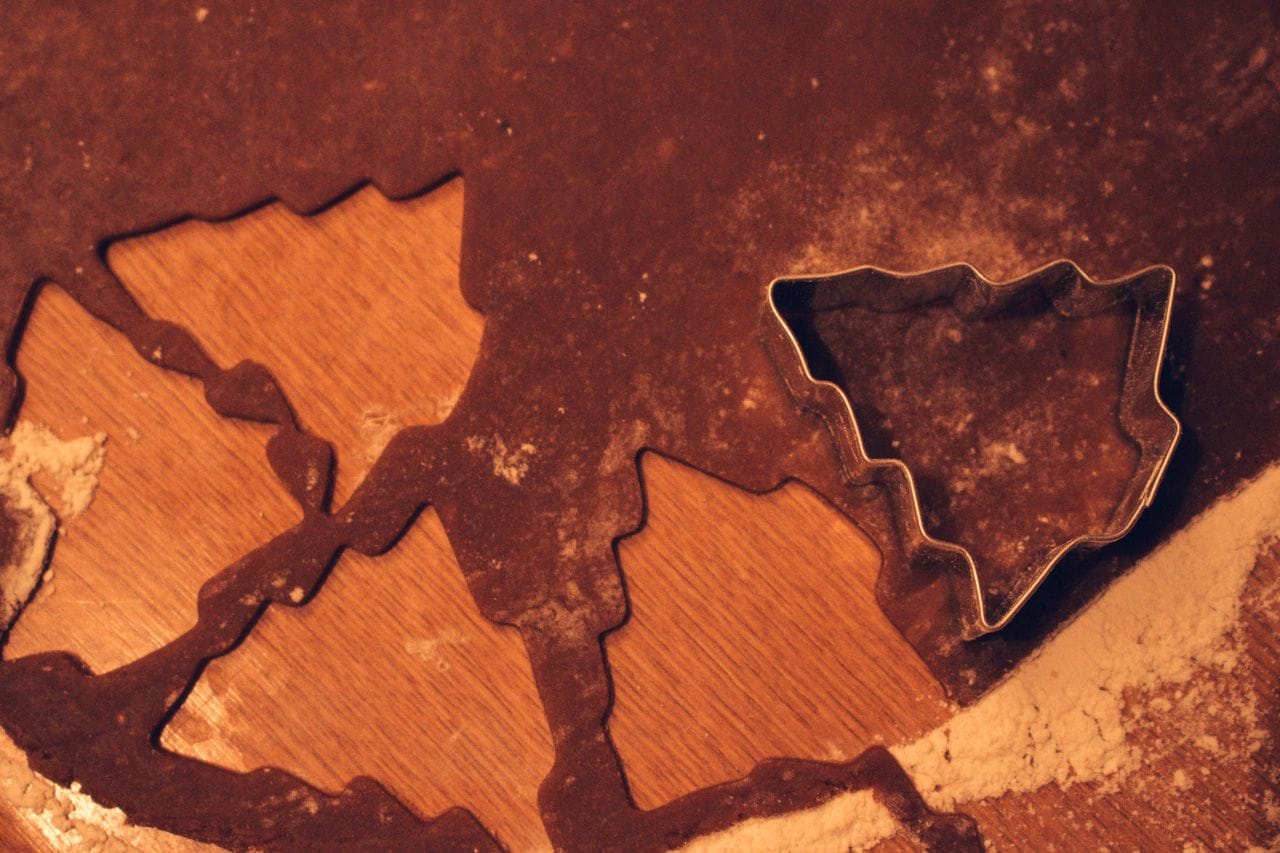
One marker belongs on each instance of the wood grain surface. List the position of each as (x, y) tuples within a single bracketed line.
[(754, 632)]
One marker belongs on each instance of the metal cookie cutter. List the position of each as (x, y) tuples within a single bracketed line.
[(1143, 416)]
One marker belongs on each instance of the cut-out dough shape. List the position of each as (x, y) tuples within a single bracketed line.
[(730, 656), (376, 281), (175, 472), (438, 705)]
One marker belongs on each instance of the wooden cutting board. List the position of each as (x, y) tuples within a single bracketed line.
[(391, 671)]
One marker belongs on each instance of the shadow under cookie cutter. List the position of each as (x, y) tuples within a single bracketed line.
[(1142, 414)]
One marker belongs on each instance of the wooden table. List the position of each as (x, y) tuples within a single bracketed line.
[(391, 671)]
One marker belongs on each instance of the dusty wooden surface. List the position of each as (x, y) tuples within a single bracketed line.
[(753, 634)]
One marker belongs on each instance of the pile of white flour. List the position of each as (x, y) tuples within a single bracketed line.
[(1062, 716)]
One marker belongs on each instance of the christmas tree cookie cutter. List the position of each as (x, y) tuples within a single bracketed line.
[(1144, 417)]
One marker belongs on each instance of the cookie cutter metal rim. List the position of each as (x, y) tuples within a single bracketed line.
[(982, 625)]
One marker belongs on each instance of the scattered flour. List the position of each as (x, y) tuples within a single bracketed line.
[(379, 424), (852, 821), (511, 464), (1008, 450), (209, 728), (1061, 716), (74, 466), (432, 650), (69, 819), (377, 427)]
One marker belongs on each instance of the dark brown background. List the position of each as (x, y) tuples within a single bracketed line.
[(707, 151)]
